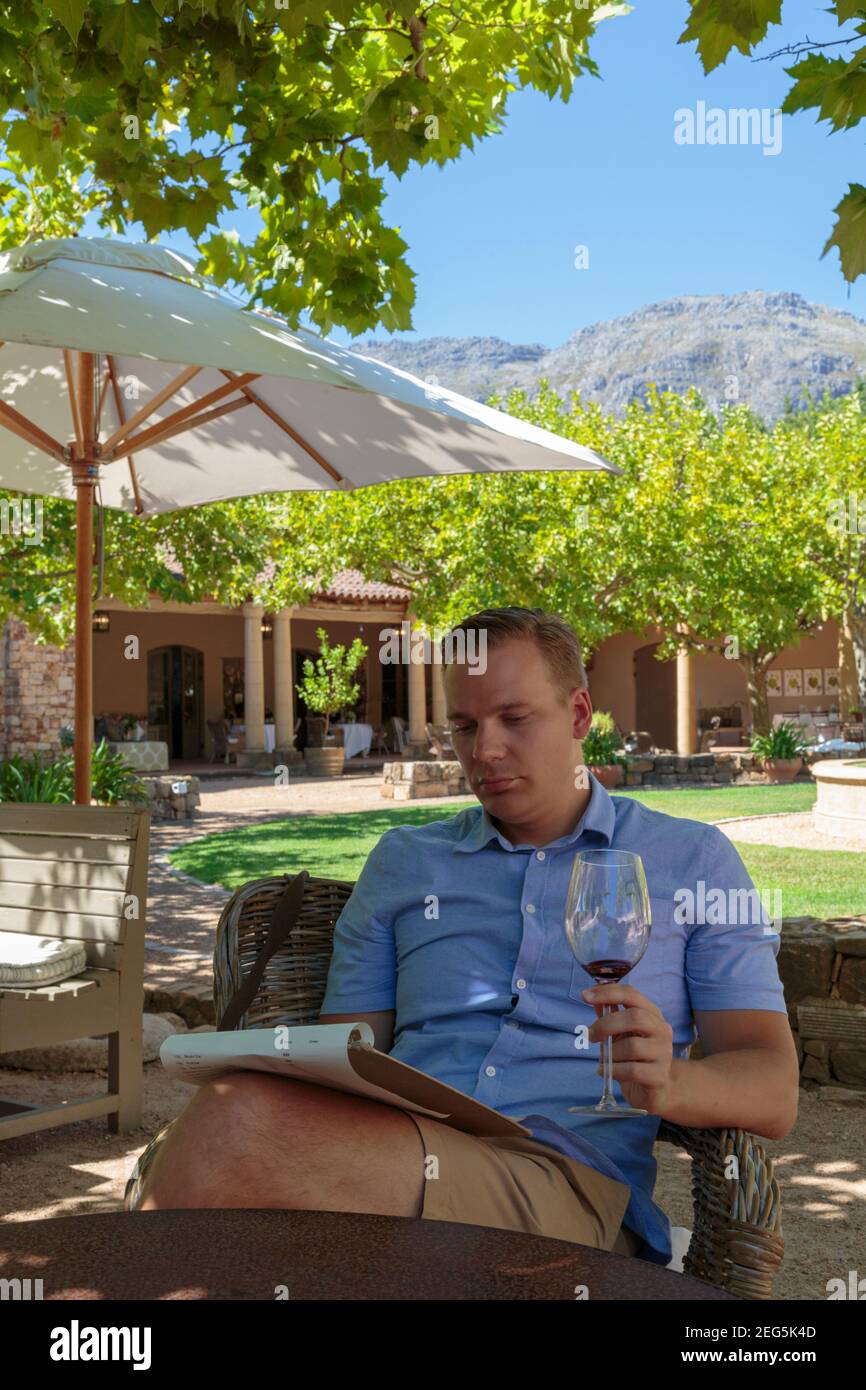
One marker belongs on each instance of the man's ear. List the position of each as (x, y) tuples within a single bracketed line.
[(582, 706)]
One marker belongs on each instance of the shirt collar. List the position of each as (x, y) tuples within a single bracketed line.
[(599, 819)]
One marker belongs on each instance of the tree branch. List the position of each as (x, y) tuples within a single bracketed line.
[(807, 46)]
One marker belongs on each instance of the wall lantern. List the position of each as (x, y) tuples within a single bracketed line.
[(101, 620), (267, 627)]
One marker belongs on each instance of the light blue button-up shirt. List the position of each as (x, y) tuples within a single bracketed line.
[(462, 934)]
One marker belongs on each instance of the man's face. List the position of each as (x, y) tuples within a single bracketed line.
[(511, 732)]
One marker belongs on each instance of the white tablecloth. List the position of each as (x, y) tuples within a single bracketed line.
[(356, 738)]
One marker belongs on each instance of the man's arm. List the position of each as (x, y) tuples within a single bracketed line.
[(382, 1024), (748, 1077)]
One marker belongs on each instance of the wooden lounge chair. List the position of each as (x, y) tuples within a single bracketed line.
[(736, 1241), (78, 873)]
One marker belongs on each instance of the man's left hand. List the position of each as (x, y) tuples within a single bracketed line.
[(642, 1045)]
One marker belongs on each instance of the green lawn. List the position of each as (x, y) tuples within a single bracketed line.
[(811, 881)]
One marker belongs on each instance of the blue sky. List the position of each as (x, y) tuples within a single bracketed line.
[(492, 237)]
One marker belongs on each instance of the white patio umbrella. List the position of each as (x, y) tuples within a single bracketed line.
[(225, 402)]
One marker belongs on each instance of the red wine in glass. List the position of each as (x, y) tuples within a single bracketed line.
[(603, 971), (607, 924)]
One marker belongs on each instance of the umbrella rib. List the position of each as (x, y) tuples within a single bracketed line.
[(153, 404), (142, 441), (118, 405), (188, 415), (25, 429), (73, 399), (102, 390), (289, 430)]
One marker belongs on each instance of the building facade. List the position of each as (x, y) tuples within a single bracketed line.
[(178, 669)]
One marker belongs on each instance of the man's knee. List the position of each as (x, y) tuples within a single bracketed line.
[(250, 1132)]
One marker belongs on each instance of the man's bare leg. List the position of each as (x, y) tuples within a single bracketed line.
[(253, 1140)]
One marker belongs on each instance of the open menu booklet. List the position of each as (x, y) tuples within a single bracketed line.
[(339, 1055)]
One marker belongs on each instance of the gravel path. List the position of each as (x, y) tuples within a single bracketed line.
[(795, 830)]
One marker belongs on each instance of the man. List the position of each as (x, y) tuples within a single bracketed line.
[(452, 948)]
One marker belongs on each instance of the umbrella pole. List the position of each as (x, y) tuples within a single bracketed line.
[(85, 471)]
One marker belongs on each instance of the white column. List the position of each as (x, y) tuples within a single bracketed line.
[(438, 694), (687, 714), (284, 690), (417, 699), (254, 678)]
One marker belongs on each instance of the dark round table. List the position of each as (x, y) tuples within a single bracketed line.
[(216, 1254)]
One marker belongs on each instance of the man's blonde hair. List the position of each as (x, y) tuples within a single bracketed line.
[(556, 640)]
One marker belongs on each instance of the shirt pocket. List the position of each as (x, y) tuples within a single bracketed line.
[(661, 961)]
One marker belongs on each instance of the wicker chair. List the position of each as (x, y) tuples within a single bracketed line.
[(736, 1239)]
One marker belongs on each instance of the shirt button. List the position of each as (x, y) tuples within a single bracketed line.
[(540, 854), (521, 984), (489, 1071), (530, 907)]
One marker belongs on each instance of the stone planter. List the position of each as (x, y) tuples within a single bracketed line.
[(324, 762), (609, 776), (781, 769)]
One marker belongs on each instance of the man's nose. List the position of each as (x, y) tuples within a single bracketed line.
[(489, 744)]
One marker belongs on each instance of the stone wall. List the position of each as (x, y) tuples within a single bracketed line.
[(823, 968), (37, 692), (404, 781), (172, 797), (407, 781)]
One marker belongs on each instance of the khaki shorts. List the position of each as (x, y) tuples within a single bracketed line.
[(517, 1184)]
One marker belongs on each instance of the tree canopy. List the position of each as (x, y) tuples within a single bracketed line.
[(174, 113)]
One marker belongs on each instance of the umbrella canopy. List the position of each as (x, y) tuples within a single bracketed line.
[(174, 395), (318, 416)]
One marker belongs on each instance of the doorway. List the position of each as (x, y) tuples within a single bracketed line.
[(655, 684), (175, 698)]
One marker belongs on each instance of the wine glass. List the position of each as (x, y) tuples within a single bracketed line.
[(607, 923)]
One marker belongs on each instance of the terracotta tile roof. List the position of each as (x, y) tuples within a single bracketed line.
[(347, 586), (351, 584)]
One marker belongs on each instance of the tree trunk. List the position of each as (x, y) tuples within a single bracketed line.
[(849, 697), (857, 619), (755, 665)]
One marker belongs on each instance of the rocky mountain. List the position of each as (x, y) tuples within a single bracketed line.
[(753, 347)]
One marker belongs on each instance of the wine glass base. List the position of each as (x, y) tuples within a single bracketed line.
[(607, 1110)]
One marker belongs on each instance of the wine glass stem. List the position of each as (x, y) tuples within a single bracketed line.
[(607, 1096)]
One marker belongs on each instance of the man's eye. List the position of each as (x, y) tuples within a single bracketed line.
[(515, 718)]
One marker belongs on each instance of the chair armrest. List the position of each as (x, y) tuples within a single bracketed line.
[(737, 1241)]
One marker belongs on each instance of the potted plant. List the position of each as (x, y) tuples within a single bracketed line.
[(328, 686), (601, 750), (781, 751)]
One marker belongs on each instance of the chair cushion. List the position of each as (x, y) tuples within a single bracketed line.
[(27, 960)]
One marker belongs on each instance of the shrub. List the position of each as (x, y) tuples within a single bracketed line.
[(602, 741), (784, 742), (25, 779)]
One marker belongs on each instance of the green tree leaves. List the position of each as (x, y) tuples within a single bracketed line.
[(173, 113)]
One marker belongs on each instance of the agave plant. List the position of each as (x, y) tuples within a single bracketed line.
[(781, 744)]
